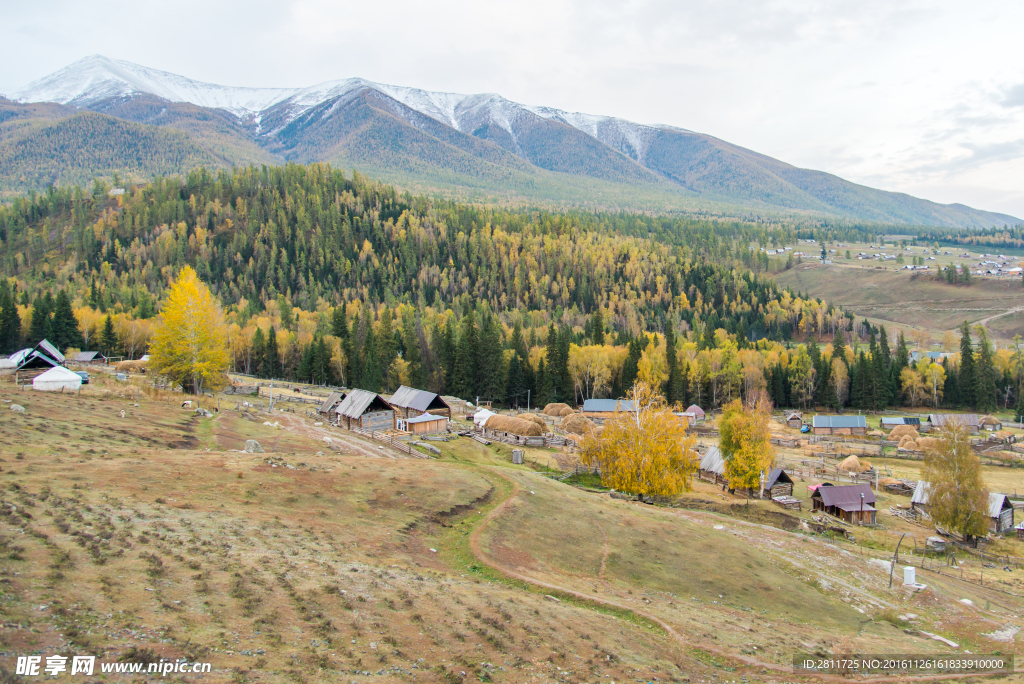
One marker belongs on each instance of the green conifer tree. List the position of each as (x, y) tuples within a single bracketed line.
[(108, 338), (10, 321), (271, 356), (259, 346), (65, 330), (467, 350), (985, 375), (968, 380)]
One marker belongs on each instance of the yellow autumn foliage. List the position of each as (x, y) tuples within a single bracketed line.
[(645, 452), (190, 343)]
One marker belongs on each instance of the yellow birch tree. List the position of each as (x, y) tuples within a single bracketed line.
[(190, 343), (746, 444), (645, 452), (957, 498)]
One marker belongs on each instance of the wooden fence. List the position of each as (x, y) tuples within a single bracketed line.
[(390, 440)]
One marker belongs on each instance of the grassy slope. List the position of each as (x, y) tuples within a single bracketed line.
[(888, 295)]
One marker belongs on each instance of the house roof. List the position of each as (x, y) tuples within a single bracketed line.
[(83, 357), (901, 420), (51, 351), (794, 415), (695, 410), (840, 422), (34, 359), (332, 399), (842, 496), (920, 493), (996, 504), (712, 461), (420, 400), (426, 418), (776, 476), (359, 402), (965, 419), (607, 405)]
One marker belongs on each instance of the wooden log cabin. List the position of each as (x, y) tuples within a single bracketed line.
[(778, 483), (712, 466), (840, 425), (409, 403), (854, 504), (366, 410)]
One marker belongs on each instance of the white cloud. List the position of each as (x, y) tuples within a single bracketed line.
[(907, 95)]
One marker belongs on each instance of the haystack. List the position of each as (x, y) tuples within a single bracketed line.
[(577, 424), (133, 367), (852, 464), (909, 445), (566, 412), (928, 443), (888, 481), (555, 409), (989, 420), (517, 426), (1003, 434), (903, 431), (533, 418), (876, 433)]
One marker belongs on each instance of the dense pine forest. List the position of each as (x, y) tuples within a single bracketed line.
[(334, 278)]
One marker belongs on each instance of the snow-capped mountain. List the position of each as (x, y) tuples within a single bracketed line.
[(449, 142), (97, 78)]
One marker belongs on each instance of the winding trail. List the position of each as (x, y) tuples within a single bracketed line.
[(477, 551)]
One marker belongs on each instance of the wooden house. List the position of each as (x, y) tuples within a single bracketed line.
[(409, 403), (969, 420), (330, 404), (777, 484), (891, 422), (712, 466), (698, 413), (840, 425), (89, 358), (854, 504), (606, 408), (423, 424), (366, 410), (1000, 513), (794, 420)]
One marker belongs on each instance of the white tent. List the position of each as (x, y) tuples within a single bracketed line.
[(57, 379), (481, 416)]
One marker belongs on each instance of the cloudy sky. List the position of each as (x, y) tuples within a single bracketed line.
[(921, 97)]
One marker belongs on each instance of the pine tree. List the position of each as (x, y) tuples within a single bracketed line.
[(259, 346), (387, 347), (985, 375), (968, 380), (108, 338), (464, 368), (10, 321), (371, 376), (490, 362), (552, 366), (339, 323), (545, 394), (271, 357), (630, 366), (889, 392), (515, 384), (65, 331), (566, 393), (413, 355), (40, 325), (597, 325), (672, 363)]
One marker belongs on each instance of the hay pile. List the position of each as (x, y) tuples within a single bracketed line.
[(852, 464), (908, 443), (577, 424), (517, 426), (133, 367), (989, 420), (533, 418), (1004, 434), (927, 443), (876, 433), (555, 409), (901, 431)]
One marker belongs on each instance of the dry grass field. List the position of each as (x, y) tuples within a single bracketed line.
[(154, 536), (923, 303)]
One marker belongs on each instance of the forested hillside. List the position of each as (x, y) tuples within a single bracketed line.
[(334, 278)]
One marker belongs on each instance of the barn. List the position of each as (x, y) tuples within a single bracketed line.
[(712, 466), (89, 357), (794, 420), (1000, 513), (971, 421), (778, 483), (840, 425), (409, 403), (606, 408), (890, 422), (366, 410), (851, 503), (423, 424)]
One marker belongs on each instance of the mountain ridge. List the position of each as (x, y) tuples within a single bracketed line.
[(419, 137)]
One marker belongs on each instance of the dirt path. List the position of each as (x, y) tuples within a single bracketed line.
[(477, 551), (985, 321)]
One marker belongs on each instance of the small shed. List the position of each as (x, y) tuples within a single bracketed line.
[(971, 421), (690, 418), (409, 403), (1000, 513), (712, 466), (778, 483), (366, 410), (697, 411), (919, 501), (333, 399), (890, 422), (990, 423), (89, 358), (606, 408), (851, 503), (1020, 530), (840, 425), (794, 420), (935, 544), (57, 379), (423, 424)]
